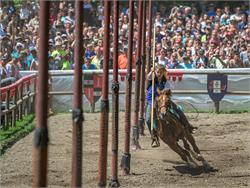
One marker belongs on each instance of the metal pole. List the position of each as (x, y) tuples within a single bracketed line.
[(142, 89), (125, 162), (40, 149), (135, 140), (115, 101), (102, 171), (77, 113), (149, 38)]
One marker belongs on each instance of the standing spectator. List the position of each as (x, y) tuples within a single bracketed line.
[(32, 57), (123, 58), (98, 58), (3, 71), (244, 55)]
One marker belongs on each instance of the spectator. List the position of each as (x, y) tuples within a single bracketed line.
[(98, 58), (202, 60), (221, 32), (123, 58), (88, 65)]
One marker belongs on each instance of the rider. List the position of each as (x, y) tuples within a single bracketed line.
[(161, 83)]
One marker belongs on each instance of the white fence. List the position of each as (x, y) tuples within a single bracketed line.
[(186, 92)]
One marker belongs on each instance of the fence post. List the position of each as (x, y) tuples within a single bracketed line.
[(21, 104), (7, 107), (143, 66), (34, 97), (27, 111), (104, 120), (148, 65), (135, 137), (217, 106), (15, 108), (77, 114), (18, 105), (41, 136), (115, 101), (125, 161)]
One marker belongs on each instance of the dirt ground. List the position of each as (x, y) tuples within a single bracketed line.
[(223, 139)]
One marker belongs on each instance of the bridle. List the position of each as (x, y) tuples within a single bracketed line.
[(164, 105)]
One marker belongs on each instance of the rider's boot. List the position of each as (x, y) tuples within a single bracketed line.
[(185, 122)]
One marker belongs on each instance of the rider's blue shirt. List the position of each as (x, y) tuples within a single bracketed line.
[(160, 85)]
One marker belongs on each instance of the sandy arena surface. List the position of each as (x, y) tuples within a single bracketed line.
[(223, 140)]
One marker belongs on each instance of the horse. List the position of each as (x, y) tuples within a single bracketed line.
[(170, 130)]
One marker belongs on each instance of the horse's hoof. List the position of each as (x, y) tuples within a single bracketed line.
[(208, 168), (114, 183), (192, 165)]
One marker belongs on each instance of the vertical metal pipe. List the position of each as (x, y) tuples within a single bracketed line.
[(40, 149), (115, 100), (135, 140), (77, 114), (142, 88), (102, 171), (125, 162), (149, 39)]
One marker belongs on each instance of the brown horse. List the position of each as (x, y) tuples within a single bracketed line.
[(170, 130)]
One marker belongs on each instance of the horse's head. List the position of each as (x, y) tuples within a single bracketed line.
[(163, 101)]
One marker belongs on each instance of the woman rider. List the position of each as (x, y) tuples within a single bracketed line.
[(161, 83)]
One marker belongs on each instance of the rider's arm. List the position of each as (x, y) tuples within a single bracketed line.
[(149, 76)]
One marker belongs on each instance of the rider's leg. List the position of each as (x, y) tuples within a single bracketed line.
[(183, 118), (148, 117)]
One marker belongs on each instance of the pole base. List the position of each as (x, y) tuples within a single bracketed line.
[(101, 184), (125, 164), (114, 183), (141, 126)]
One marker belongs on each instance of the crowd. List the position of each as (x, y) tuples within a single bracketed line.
[(216, 37)]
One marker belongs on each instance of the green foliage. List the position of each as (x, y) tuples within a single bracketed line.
[(13, 134)]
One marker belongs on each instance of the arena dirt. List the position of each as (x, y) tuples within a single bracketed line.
[(223, 139)]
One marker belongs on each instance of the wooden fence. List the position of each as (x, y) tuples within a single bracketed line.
[(17, 100)]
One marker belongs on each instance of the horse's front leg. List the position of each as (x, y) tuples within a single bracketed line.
[(196, 153)]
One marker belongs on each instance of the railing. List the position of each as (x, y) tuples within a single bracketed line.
[(173, 74), (17, 99)]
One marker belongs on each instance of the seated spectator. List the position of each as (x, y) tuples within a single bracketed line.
[(186, 63), (89, 53), (97, 59), (88, 65), (202, 61), (236, 62), (162, 60), (245, 55), (3, 71), (66, 62)]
